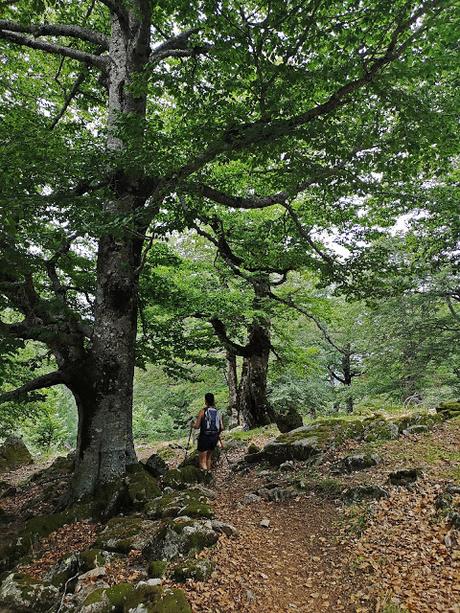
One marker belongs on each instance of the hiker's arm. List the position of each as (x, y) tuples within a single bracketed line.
[(197, 423)]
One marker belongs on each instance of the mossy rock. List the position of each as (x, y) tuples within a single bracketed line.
[(22, 593), (198, 570), (379, 429), (253, 448), (13, 454), (123, 534), (93, 558), (124, 597), (141, 486), (181, 478), (157, 569), (411, 420), (182, 536), (449, 410), (191, 502)]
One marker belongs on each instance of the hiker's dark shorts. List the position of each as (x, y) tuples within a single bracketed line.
[(207, 442)]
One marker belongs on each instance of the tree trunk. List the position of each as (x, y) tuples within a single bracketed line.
[(252, 394), (347, 376), (232, 382), (104, 397)]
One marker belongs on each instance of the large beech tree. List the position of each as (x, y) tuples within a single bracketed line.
[(112, 107)]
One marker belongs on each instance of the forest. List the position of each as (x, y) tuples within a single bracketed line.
[(253, 199)]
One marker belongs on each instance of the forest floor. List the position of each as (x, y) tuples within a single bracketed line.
[(316, 554)]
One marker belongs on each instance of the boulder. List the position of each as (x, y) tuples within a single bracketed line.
[(379, 429), (191, 502), (123, 534), (19, 592), (198, 570), (361, 493), (156, 466), (181, 536), (288, 420), (13, 454), (181, 478), (252, 448), (63, 570), (449, 410), (141, 486), (353, 463), (276, 494), (415, 429), (404, 476), (125, 598)]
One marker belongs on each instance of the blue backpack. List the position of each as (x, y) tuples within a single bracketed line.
[(210, 423)]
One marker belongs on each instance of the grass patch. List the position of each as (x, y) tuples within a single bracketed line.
[(249, 435)]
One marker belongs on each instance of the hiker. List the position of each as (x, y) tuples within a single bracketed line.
[(209, 423)]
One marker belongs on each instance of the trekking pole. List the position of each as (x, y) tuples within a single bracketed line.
[(188, 442)]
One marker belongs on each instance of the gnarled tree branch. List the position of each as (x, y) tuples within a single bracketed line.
[(45, 381), (57, 29)]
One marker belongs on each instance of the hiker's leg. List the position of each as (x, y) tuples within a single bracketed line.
[(203, 460), (209, 460)]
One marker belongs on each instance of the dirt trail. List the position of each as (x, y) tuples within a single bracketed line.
[(299, 563)]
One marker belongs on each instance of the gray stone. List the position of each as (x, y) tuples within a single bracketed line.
[(276, 494), (415, 429), (224, 528), (360, 493), (265, 523), (250, 498), (13, 454), (156, 466), (357, 462), (404, 476), (181, 536), (19, 592)]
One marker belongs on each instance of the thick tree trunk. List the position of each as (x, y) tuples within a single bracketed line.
[(347, 376), (232, 382), (104, 398), (252, 395)]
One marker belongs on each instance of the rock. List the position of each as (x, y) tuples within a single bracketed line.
[(6, 489), (288, 420), (142, 598), (156, 466), (191, 502), (198, 570), (63, 570), (182, 536), (287, 466), (277, 494), (380, 430), (252, 458), (415, 429), (240, 467), (404, 476), (252, 448), (153, 581), (123, 534), (265, 523), (250, 498), (157, 568), (141, 486), (181, 478), (449, 410), (13, 454), (19, 592), (353, 463), (223, 528), (360, 493)]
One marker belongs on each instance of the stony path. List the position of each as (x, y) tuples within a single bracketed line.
[(299, 563)]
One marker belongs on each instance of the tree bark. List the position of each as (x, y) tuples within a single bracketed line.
[(104, 398), (252, 395), (232, 382), (347, 376)]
